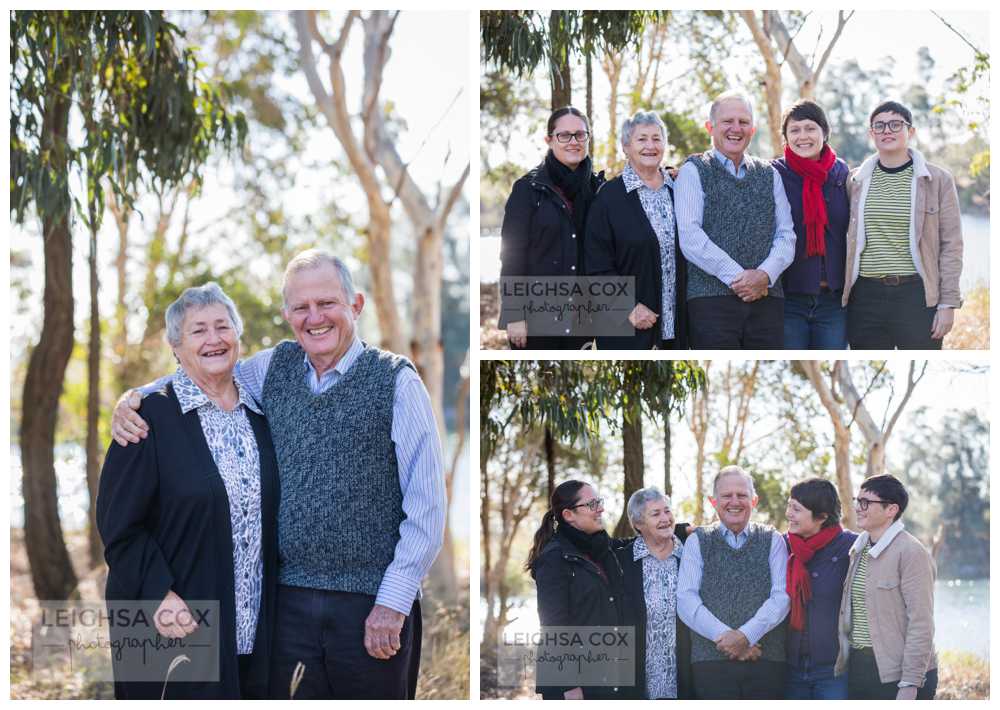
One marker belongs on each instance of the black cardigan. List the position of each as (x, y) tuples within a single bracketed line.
[(163, 513), (620, 241)]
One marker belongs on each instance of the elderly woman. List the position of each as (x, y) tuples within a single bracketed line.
[(650, 563), (577, 576), (188, 514), (632, 231), (819, 552), (544, 219)]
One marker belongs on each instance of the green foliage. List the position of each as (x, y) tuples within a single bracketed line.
[(687, 136)]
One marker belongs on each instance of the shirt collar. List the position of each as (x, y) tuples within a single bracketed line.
[(191, 396), (729, 164), (343, 365), (640, 550), (730, 535), (887, 537), (633, 182)]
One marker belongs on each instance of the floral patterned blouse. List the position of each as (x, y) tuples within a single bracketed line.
[(234, 449), (659, 586)]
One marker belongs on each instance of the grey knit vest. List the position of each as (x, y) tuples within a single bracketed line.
[(738, 217), (341, 504), (734, 584)]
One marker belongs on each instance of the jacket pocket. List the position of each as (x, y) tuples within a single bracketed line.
[(888, 585)]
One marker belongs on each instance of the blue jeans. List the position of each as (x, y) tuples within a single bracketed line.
[(815, 322), (814, 683)]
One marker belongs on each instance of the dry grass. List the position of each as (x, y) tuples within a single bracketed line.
[(962, 676), (490, 337), (444, 666), (972, 323)]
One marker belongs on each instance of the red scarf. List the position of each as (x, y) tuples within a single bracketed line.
[(797, 581), (813, 174)]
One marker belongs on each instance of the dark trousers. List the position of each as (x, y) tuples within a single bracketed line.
[(727, 323), (325, 631), (739, 680), (863, 682), (881, 317)]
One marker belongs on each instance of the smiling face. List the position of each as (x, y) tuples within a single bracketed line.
[(805, 138), (887, 142), (878, 516), (733, 501), (657, 524), (732, 128), (209, 346), (582, 517), (801, 520), (320, 314), (572, 153), (645, 148)]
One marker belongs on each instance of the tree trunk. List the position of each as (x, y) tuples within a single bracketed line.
[(612, 65), (51, 571), (562, 85), (632, 460), (122, 217), (668, 488), (95, 548), (550, 462), (590, 93), (771, 79)]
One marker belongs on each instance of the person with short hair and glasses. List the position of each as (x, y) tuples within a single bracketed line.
[(904, 243), (886, 628), (545, 217)]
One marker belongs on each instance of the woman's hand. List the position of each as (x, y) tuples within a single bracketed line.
[(944, 319), (642, 318), (575, 694), (173, 619), (517, 333)]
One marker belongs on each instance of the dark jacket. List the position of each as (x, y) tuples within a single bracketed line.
[(803, 276), (538, 237), (635, 615), (827, 571), (163, 513), (621, 241), (572, 592)]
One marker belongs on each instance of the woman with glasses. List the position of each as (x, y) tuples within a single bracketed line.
[(815, 182), (904, 244), (632, 231), (887, 606), (578, 578), (817, 566), (544, 220)]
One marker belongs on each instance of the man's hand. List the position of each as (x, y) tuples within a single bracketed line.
[(907, 693), (751, 285), (382, 629), (127, 426), (944, 319), (752, 654), (642, 318), (575, 694), (173, 619), (733, 643), (517, 333)]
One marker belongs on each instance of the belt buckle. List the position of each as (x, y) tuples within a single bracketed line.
[(892, 280)]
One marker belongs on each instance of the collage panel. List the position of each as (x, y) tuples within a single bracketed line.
[(734, 529), (757, 179)]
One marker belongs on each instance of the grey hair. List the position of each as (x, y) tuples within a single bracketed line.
[(312, 259), (637, 503), (642, 118), (732, 471), (729, 96), (199, 297)]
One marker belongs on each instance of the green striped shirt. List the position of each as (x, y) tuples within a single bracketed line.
[(860, 636), (887, 223)]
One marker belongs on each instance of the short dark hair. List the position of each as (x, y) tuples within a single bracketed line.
[(565, 111), (802, 110), (820, 498), (888, 488), (894, 107)]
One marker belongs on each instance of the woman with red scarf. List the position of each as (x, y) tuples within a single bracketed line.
[(815, 181), (817, 566)]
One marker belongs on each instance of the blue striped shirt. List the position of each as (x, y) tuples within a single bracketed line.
[(700, 250)]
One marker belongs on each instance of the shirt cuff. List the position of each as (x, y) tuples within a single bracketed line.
[(397, 592), (752, 634), (945, 305), (904, 684)]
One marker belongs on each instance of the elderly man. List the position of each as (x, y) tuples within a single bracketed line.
[(731, 593), (735, 230), (363, 505)]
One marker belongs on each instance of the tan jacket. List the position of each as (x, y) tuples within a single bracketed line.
[(935, 229), (899, 597)]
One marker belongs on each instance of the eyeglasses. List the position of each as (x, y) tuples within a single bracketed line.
[(863, 503), (566, 136), (593, 504), (892, 126)]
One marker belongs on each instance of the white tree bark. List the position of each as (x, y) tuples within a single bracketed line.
[(806, 74)]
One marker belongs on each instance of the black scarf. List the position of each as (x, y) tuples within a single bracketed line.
[(576, 185), (596, 545)]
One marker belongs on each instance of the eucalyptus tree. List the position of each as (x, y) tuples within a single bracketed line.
[(147, 117)]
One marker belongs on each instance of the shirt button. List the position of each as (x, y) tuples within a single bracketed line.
[(572, 268), (611, 599), (815, 574), (573, 235)]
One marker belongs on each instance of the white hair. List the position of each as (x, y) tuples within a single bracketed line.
[(198, 297), (642, 118), (312, 259), (637, 503), (729, 96), (732, 471)]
